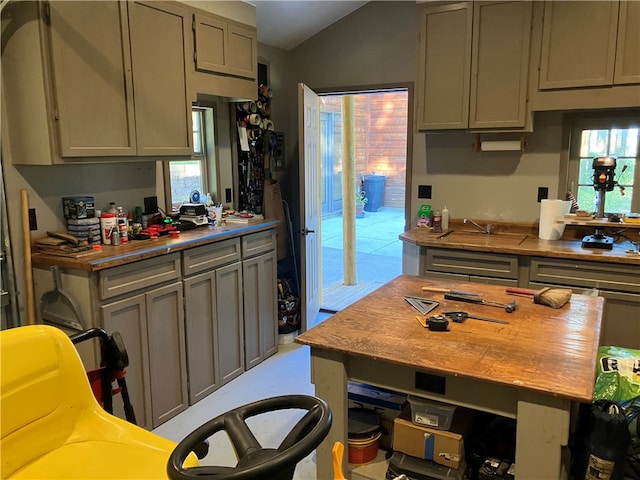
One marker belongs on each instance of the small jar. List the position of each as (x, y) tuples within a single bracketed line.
[(437, 222)]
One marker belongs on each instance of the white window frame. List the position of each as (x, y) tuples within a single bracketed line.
[(601, 121), (206, 154)]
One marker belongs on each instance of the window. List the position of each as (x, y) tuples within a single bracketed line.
[(182, 177), (616, 137)]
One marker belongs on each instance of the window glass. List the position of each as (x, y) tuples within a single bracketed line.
[(621, 143), (185, 176)]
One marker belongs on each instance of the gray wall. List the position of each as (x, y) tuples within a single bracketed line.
[(377, 45)]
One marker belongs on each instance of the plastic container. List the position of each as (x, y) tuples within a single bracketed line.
[(363, 450), (373, 186), (429, 413), (108, 224), (364, 433), (445, 218)]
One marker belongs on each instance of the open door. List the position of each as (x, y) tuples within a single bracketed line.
[(308, 135)]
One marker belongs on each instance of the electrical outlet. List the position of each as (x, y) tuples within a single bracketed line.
[(33, 221), (227, 195), (543, 193), (424, 191)]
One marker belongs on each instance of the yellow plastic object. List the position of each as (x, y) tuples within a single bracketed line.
[(337, 452), (53, 427)]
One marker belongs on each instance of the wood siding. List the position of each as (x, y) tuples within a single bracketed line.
[(381, 139)]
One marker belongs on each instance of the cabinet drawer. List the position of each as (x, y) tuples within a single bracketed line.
[(472, 263), (138, 275), (207, 257), (258, 243), (615, 277)]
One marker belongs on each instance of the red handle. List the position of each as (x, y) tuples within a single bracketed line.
[(521, 291)]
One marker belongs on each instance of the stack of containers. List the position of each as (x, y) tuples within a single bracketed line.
[(81, 220)]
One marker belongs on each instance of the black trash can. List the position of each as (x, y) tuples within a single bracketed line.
[(373, 186)]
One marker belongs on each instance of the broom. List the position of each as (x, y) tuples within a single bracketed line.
[(549, 296)]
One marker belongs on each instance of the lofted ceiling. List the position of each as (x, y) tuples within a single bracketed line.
[(287, 24)]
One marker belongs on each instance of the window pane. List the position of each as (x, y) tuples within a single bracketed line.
[(196, 116), (624, 143), (586, 198), (585, 175), (186, 176), (594, 143), (614, 202)]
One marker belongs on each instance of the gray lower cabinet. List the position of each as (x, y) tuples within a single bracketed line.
[(467, 266), (259, 277), (259, 271), (152, 327), (213, 316), (618, 284)]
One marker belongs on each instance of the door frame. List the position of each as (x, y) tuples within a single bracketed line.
[(410, 88)]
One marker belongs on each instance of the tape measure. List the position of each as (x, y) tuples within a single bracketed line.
[(437, 323)]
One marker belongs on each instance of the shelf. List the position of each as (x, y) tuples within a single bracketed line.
[(374, 470), (595, 222)]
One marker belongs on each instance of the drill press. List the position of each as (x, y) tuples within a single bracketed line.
[(603, 181)]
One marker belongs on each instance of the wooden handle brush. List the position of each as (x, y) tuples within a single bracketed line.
[(550, 296)]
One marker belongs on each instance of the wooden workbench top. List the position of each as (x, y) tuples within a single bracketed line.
[(523, 241), (134, 250), (541, 349)]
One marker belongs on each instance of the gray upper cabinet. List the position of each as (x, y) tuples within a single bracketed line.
[(159, 45), (473, 66), (92, 81), (627, 68), (224, 47), (444, 66), (500, 64), (91, 67), (590, 44)]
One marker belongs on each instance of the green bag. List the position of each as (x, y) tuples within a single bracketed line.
[(618, 374)]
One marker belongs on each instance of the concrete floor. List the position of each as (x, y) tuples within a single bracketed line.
[(378, 256)]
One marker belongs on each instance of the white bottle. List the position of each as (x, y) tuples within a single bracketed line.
[(445, 218)]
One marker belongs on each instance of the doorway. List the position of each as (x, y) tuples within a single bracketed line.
[(381, 151)]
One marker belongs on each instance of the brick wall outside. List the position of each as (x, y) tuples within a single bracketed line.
[(381, 139)]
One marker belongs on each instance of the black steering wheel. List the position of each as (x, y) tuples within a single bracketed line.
[(254, 461)]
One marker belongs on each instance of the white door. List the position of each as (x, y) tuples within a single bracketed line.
[(308, 134)]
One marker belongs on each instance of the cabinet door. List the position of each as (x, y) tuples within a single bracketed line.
[(160, 40), (260, 308), (201, 323), (444, 66), (242, 55), (627, 68), (500, 64), (621, 319), (210, 43), (92, 82), (578, 44), (223, 47), (167, 356), (230, 328), (129, 317)]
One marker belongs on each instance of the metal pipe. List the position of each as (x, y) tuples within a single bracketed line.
[(486, 229)]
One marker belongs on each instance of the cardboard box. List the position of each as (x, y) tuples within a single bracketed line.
[(445, 447), (386, 403)]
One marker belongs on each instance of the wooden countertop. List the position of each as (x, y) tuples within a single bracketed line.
[(135, 250), (541, 349), (520, 241)]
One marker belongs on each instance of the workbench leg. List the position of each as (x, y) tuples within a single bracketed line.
[(542, 436), (329, 376)]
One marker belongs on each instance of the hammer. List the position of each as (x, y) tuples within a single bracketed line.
[(508, 307)]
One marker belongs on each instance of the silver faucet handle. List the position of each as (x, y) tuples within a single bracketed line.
[(490, 227)]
